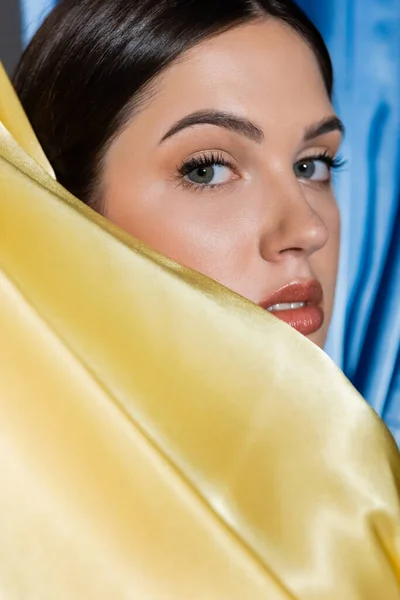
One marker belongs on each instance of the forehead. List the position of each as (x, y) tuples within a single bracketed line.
[(261, 69)]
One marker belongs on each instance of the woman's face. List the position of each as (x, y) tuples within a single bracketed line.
[(227, 169)]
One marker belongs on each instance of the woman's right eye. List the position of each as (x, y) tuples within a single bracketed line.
[(207, 171), (212, 175)]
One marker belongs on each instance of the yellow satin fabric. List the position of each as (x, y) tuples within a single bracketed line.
[(161, 437)]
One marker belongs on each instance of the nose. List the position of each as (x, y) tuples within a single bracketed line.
[(291, 226)]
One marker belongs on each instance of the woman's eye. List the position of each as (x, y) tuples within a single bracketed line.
[(313, 169), (211, 175)]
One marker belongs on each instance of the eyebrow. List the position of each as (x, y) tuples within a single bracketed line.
[(325, 126), (245, 127), (220, 119)]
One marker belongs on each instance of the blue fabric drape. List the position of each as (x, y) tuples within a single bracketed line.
[(364, 40), (32, 13)]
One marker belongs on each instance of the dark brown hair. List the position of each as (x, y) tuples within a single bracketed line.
[(92, 59)]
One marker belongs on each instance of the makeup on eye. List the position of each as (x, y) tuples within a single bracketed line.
[(207, 171), (213, 169), (318, 167)]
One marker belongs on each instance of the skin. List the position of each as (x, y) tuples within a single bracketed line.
[(263, 226)]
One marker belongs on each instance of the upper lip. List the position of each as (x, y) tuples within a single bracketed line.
[(309, 292)]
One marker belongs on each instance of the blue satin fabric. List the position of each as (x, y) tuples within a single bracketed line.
[(32, 14), (364, 40)]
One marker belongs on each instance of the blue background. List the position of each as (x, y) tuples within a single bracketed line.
[(364, 39)]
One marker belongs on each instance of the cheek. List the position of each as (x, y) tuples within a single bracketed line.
[(209, 233), (333, 224)]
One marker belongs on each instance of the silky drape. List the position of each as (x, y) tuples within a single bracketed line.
[(32, 14), (162, 437), (364, 40)]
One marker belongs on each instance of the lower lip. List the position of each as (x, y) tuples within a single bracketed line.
[(306, 320)]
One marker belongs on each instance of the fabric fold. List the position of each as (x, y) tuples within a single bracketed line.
[(163, 437)]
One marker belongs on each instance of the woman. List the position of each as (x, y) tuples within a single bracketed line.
[(165, 437), (204, 129)]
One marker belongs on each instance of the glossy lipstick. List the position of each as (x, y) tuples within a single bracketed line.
[(299, 305)]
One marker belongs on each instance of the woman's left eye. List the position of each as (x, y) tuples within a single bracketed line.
[(314, 169)]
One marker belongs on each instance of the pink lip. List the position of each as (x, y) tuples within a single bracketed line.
[(307, 319)]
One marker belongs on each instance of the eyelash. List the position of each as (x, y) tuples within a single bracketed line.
[(218, 159), (333, 163), (203, 161)]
